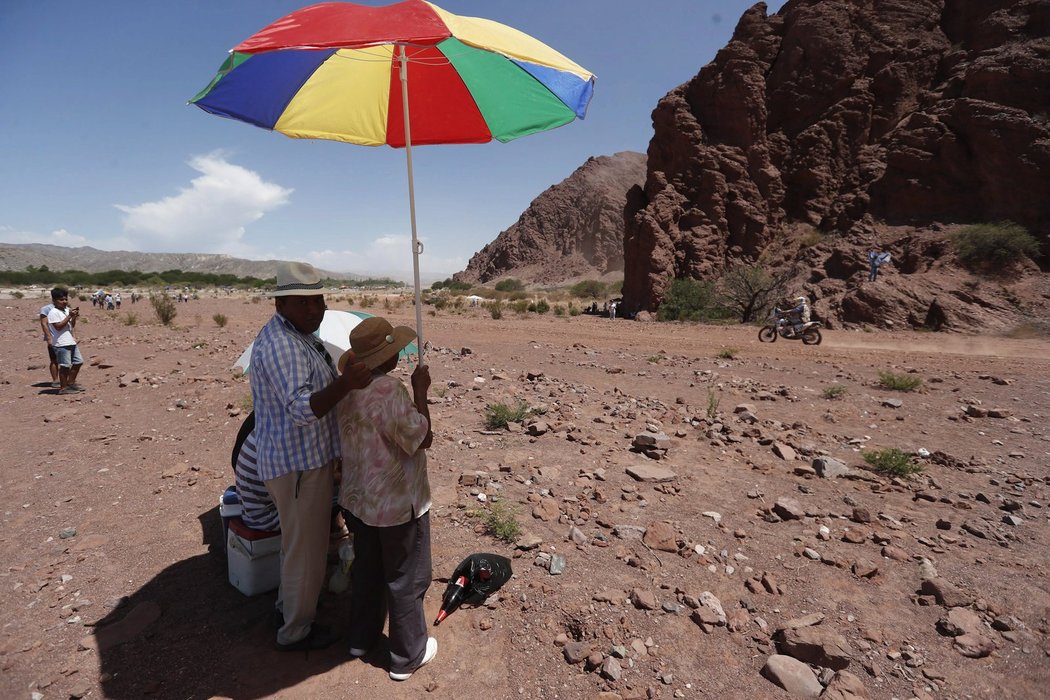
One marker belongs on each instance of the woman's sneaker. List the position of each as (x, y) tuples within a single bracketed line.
[(432, 650)]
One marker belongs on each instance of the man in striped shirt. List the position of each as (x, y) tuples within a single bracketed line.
[(295, 386)]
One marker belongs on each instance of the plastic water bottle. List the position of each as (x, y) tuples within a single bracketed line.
[(339, 582)]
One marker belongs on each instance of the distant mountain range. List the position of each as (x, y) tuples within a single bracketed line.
[(17, 257)]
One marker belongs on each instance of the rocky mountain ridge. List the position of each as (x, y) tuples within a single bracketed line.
[(574, 229), (18, 257)]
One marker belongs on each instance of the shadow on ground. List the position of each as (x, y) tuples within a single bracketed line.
[(187, 633)]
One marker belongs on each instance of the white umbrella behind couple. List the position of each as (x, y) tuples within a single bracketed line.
[(334, 333)]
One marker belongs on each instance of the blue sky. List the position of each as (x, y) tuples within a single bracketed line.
[(100, 148)]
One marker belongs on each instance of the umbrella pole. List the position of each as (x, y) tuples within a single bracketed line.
[(416, 247)]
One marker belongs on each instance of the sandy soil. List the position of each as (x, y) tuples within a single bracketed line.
[(136, 603)]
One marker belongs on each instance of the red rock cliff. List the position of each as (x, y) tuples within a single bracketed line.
[(851, 117)]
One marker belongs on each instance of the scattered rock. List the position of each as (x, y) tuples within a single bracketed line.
[(792, 675), (830, 468), (650, 473), (845, 686), (661, 536), (974, 646), (789, 509), (816, 645), (960, 621)]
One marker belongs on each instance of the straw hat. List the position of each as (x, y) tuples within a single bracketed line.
[(374, 341), (297, 279)]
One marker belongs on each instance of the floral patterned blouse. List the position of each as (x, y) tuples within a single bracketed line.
[(384, 480)]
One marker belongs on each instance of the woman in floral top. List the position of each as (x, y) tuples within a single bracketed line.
[(384, 434)]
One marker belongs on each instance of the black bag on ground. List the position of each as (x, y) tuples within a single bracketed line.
[(476, 577)]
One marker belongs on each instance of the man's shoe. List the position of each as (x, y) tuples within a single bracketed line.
[(319, 637), (432, 650), (76, 387)]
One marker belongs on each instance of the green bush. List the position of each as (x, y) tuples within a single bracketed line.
[(496, 310), (573, 311), (689, 300), (164, 307), (497, 415), (727, 353), (542, 306), (833, 391), (502, 523), (559, 310), (220, 320), (17, 295), (520, 306), (510, 285), (892, 461), (588, 289), (993, 246), (899, 382)]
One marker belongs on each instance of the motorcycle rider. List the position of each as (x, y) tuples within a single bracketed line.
[(799, 315)]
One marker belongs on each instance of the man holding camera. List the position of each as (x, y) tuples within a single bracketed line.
[(60, 321)]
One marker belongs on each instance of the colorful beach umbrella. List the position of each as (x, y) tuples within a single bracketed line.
[(405, 74)]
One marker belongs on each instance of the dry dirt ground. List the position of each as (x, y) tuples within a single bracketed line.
[(136, 603)]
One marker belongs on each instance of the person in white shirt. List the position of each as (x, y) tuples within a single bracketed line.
[(61, 321)]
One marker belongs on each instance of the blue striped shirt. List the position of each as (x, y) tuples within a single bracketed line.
[(286, 369), (258, 510)]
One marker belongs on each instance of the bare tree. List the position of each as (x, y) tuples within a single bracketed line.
[(750, 290)]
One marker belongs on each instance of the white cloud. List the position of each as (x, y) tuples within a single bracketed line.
[(389, 255), (209, 216), (60, 237)]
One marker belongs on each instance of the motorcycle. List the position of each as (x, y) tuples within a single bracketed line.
[(782, 325)]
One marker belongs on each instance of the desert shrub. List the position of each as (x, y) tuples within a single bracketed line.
[(833, 391), (510, 285), (246, 403), (497, 415), (810, 238), (713, 399), (751, 290), (17, 295), (588, 289), (220, 320), (451, 285), (502, 523), (559, 310), (573, 311), (131, 319), (520, 306), (496, 309), (892, 461), (368, 301), (164, 307), (688, 300), (654, 359), (727, 353), (899, 382), (993, 246), (542, 306)]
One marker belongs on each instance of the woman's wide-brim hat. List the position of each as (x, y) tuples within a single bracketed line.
[(374, 341), (297, 279)]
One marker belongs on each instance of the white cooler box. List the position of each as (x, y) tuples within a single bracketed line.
[(253, 558)]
